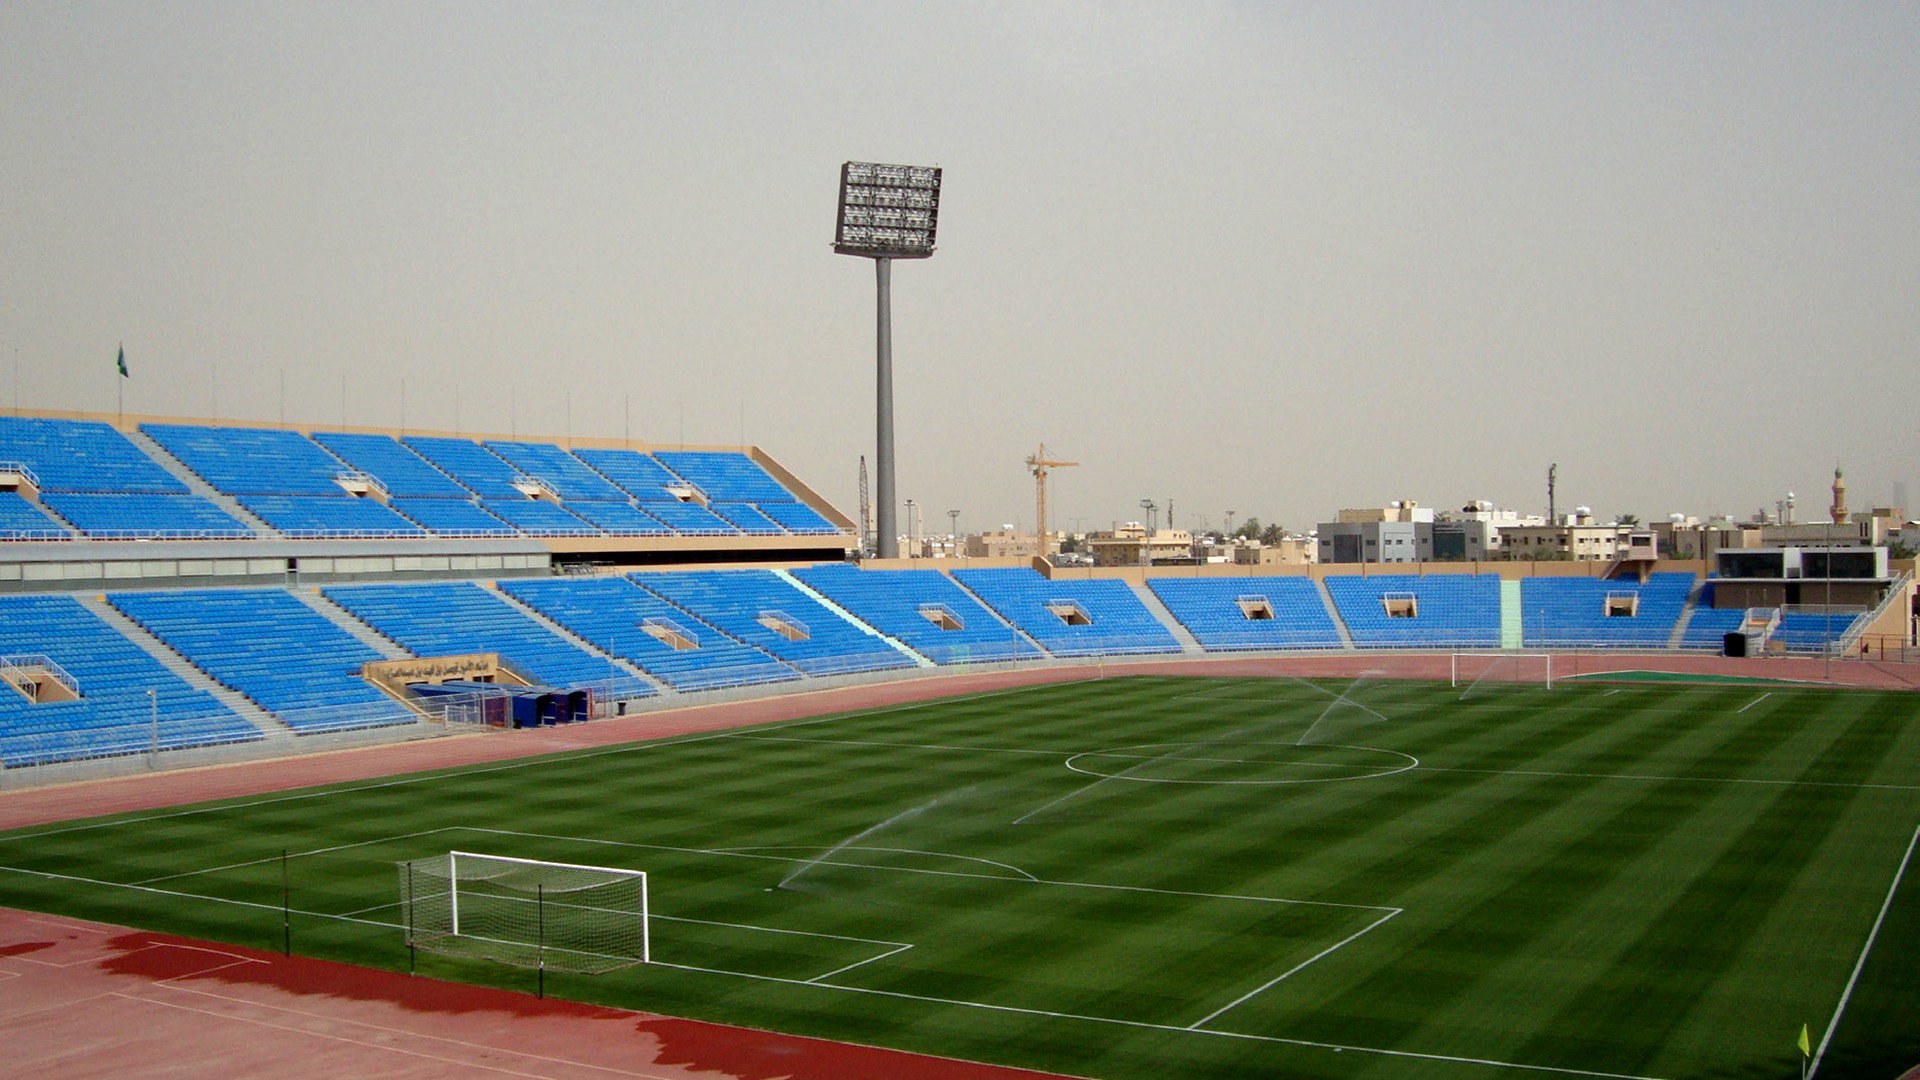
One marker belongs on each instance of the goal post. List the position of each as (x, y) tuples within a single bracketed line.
[(526, 912), (1471, 669)]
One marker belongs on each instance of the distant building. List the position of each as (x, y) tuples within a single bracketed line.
[(1001, 543), (1128, 545)]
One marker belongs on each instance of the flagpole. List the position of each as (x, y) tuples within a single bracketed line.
[(120, 387)]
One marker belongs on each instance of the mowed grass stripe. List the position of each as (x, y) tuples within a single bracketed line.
[(1684, 945), (1605, 861), (1511, 834)]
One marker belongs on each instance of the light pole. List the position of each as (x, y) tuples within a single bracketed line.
[(1146, 540), (887, 212), (953, 530)]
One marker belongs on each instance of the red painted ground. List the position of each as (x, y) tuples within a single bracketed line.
[(82, 1000)]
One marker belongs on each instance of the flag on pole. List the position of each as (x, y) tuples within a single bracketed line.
[(1806, 1048), (121, 363)]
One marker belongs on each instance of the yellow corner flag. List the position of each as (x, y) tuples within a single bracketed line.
[(1806, 1048)]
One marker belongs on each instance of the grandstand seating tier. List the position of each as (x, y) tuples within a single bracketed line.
[(899, 602), (145, 516), (303, 516), (638, 474), (736, 601), (612, 613), (268, 645), (82, 455), (401, 471), (114, 714), (1117, 622), (565, 474), (21, 520), (252, 461), (725, 475), (1451, 610), (470, 463), (1211, 611), (457, 618)]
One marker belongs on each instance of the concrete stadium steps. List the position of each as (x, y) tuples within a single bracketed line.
[(1686, 613), (625, 666), (995, 612), (826, 602), (1188, 643), (1333, 612), (241, 704), (342, 618), (197, 486)]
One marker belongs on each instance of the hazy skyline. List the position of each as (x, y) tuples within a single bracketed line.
[(1275, 259)]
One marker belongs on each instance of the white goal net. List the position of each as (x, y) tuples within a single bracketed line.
[(1480, 671), (526, 912)]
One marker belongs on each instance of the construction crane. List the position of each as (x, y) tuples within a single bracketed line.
[(866, 510), (1038, 463)]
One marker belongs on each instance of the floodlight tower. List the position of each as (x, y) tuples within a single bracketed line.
[(887, 212)]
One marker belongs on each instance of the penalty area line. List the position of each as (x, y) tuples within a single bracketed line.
[(1289, 973)]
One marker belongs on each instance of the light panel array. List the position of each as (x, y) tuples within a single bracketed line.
[(887, 211)]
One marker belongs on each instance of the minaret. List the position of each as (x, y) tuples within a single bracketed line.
[(1839, 507)]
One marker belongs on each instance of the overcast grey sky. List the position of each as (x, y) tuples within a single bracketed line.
[(1271, 258)]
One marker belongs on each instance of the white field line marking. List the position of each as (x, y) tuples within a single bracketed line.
[(895, 850), (1283, 976), (50, 876), (389, 1045), (1610, 693), (734, 854), (819, 980), (531, 761), (777, 930), (1861, 964), (900, 745), (1663, 779), (1150, 1026), (1754, 702), (292, 855)]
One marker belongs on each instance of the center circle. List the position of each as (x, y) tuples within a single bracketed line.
[(1241, 763)]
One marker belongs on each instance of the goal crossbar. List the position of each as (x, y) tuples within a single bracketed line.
[(529, 912), (1487, 662)]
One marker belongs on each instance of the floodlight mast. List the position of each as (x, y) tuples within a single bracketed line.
[(887, 212)]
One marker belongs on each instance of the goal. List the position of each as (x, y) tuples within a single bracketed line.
[(563, 916), (1473, 669)]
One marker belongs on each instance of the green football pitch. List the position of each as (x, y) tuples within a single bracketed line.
[(1162, 876)]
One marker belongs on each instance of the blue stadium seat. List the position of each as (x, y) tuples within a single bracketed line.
[(145, 517), (747, 518), (614, 614), (1451, 610), (565, 474), (473, 465), (456, 618), (639, 475), (798, 518), (691, 519), (268, 645), (114, 714), (743, 603), (922, 608), (619, 519), (1240, 613), (401, 471), (537, 518), (1099, 617), (252, 461), (452, 517), (82, 455), (1574, 611), (725, 475), (320, 516), (21, 520)]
